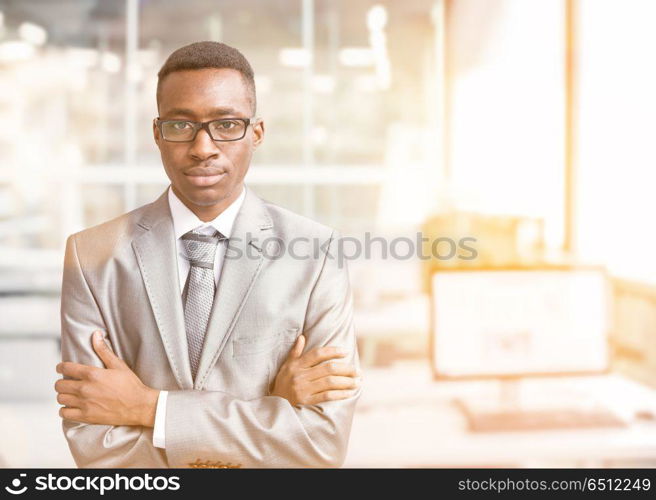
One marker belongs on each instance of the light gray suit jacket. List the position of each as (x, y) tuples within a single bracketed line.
[(121, 277)]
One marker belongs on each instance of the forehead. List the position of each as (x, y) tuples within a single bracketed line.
[(200, 93)]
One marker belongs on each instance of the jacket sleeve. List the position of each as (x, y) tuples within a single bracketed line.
[(101, 446), (269, 432)]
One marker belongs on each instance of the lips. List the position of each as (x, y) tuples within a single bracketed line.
[(204, 171), (205, 176)]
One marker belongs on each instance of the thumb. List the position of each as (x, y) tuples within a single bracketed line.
[(104, 352), (297, 349)]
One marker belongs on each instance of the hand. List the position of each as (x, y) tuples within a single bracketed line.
[(307, 379), (112, 396)]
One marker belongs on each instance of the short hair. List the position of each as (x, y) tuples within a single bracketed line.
[(202, 55)]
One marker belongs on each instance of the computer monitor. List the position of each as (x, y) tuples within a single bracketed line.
[(515, 323)]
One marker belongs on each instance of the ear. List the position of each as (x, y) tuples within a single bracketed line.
[(258, 134), (156, 132)]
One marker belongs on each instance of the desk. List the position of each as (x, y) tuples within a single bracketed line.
[(29, 347), (403, 322), (31, 435), (30, 426), (406, 419)]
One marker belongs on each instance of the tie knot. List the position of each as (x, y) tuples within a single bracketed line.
[(201, 248)]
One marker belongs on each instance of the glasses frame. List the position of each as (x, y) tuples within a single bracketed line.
[(206, 126)]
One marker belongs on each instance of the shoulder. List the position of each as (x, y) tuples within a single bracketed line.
[(106, 238), (289, 225)]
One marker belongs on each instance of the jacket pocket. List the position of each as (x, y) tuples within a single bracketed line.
[(262, 345)]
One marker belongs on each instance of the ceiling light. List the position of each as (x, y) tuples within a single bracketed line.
[(32, 33)]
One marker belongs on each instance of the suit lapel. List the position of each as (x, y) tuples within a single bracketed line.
[(156, 254), (242, 263)]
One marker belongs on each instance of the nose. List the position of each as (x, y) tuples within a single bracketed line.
[(203, 147)]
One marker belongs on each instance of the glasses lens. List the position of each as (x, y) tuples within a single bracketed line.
[(227, 130), (178, 130)]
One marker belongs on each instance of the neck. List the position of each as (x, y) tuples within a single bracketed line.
[(210, 212)]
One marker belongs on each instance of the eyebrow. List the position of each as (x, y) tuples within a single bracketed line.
[(219, 111)]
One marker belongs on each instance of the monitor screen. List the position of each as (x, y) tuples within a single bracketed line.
[(494, 323)]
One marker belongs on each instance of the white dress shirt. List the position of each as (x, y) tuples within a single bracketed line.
[(184, 220)]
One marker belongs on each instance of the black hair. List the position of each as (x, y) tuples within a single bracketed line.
[(201, 55)]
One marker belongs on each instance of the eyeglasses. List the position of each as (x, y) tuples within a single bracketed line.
[(224, 130)]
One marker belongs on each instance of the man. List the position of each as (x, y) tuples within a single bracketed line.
[(210, 346)]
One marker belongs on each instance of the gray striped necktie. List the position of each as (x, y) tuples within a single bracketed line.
[(198, 294)]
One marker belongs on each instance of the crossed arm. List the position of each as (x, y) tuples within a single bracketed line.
[(114, 395), (109, 413)]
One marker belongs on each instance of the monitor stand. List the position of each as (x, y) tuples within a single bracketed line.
[(511, 412)]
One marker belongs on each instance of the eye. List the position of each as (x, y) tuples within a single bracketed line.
[(227, 124), (180, 125)]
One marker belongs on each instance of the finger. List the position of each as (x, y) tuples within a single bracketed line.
[(107, 356), (322, 397), (74, 370), (320, 354), (331, 383), (331, 368), (297, 348), (74, 414), (69, 401), (68, 387)]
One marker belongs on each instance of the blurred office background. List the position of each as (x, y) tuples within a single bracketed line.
[(526, 124)]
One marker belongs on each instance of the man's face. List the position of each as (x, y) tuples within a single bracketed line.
[(205, 173)]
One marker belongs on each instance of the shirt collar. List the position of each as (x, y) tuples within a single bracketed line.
[(184, 220)]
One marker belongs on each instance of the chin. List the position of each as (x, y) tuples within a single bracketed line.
[(206, 197)]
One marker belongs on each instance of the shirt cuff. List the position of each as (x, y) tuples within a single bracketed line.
[(159, 431)]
